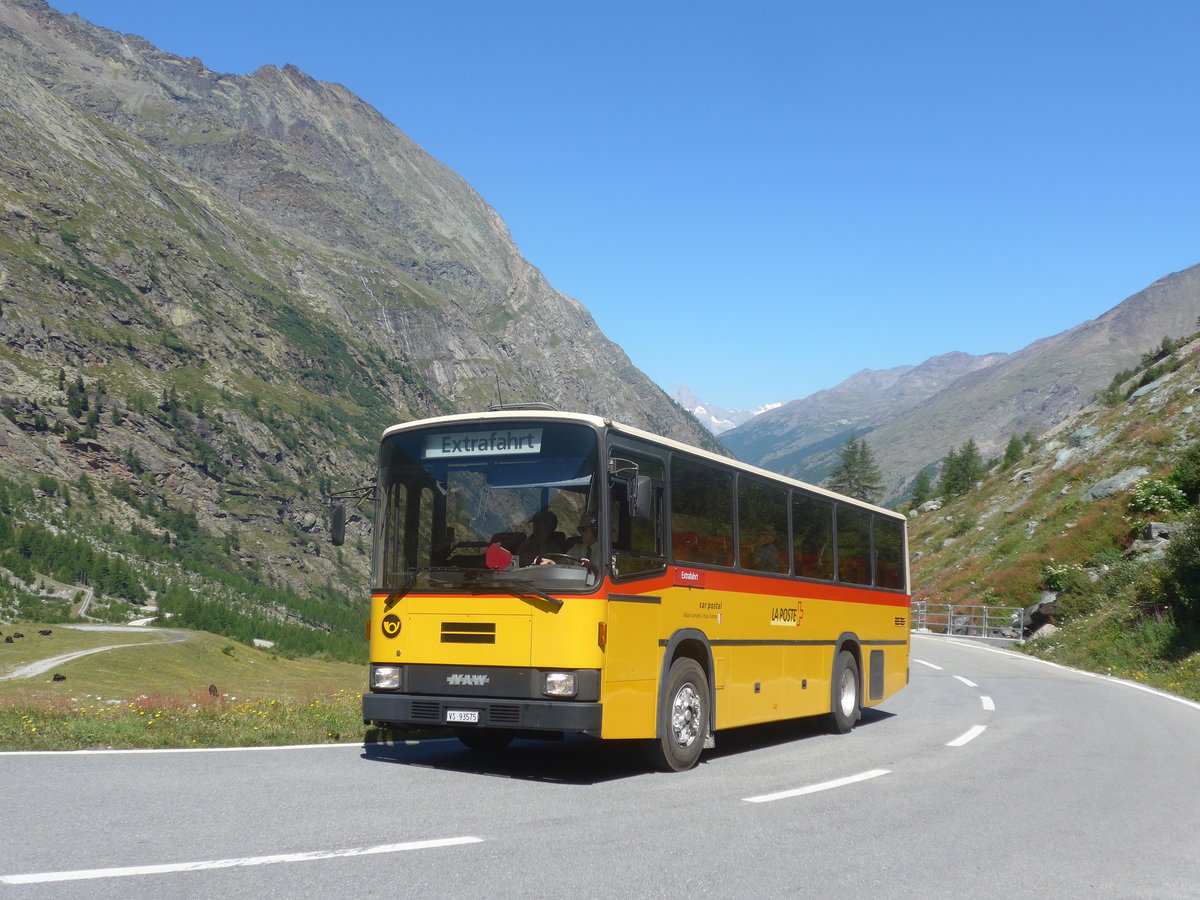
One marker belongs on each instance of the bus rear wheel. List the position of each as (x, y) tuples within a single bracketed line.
[(845, 692), (683, 717), (486, 740)]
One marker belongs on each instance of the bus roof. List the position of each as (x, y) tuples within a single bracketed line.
[(598, 422)]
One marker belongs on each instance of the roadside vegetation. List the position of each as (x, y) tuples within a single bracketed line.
[(203, 691), (1128, 602)]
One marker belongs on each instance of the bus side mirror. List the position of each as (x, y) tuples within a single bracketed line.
[(338, 526), (641, 497)]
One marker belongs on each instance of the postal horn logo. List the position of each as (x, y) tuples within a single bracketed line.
[(390, 625)]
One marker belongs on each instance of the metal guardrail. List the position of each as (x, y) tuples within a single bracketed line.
[(988, 623)]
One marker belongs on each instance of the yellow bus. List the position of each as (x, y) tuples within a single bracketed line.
[(538, 573)]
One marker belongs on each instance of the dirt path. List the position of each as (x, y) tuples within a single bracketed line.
[(41, 666)]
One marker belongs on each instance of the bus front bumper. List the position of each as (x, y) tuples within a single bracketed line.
[(481, 712)]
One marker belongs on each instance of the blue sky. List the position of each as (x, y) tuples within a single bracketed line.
[(760, 199)]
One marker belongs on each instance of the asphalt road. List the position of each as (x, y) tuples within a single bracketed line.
[(992, 775)]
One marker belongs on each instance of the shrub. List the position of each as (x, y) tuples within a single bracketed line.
[(1059, 577), (1186, 475), (1181, 573), (1156, 495)]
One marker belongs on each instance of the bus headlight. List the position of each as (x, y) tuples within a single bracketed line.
[(385, 678), (560, 684)]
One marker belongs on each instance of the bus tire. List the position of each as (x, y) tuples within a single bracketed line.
[(845, 693), (683, 718), (485, 740)]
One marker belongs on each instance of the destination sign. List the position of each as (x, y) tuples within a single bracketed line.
[(468, 444)]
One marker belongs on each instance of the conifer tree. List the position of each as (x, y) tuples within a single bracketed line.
[(960, 470), (856, 474), (1013, 452), (922, 488)]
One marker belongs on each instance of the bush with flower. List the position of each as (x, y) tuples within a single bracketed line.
[(1156, 495)]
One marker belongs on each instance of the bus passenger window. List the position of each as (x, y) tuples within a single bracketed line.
[(701, 513), (889, 553), (853, 545), (812, 537), (762, 526)]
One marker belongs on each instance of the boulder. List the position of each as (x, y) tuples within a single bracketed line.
[(1122, 481)]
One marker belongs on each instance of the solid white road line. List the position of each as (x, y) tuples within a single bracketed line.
[(975, 645), (968, 737), (814, 788), (359, 745), (168, 868), (967, 681)]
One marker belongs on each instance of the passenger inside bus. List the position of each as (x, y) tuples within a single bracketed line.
[(584, 546)]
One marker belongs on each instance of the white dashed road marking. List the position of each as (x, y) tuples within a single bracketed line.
[(814, 788)]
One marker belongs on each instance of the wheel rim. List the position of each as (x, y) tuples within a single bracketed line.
[(685, 716), (849, 693)]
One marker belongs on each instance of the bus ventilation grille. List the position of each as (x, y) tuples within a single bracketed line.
[(430, 711), (468, 633), (504, 715)]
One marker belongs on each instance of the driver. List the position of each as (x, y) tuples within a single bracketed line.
[(584, 548), (544, 539)]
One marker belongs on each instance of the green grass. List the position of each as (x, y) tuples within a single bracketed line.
[(156, 694)]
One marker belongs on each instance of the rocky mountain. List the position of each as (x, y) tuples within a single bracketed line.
[(802, 438), (216, 290), (1086, 513), (1037, 387), (912, 418), (716, 419)]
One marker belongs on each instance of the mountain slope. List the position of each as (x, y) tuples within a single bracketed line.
[(802, 438), (216, 290), (913, 417), (1039, 386), (1074, 514)]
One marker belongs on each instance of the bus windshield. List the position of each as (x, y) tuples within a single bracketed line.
[(490, 507)]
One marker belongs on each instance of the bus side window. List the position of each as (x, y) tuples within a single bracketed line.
[(637, 542), (812, 536), (889, 553), (853, 545), (701, 512)]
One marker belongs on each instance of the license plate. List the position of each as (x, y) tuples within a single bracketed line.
[(462, 715)]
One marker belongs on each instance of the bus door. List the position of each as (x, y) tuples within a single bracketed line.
[(636, 542)]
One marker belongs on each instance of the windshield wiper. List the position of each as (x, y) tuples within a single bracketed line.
[(398, 594), (519, 589)]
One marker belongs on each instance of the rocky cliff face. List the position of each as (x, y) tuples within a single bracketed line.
[(389, 244), (242, 280)]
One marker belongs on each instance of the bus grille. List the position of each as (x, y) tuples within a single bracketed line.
[(468, 633), (504, 715), (430, 711)]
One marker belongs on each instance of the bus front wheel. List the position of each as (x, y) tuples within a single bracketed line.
[(683, 717), (845, 691)]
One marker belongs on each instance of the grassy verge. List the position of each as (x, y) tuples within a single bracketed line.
[(201, 691), (38, 722), (1117, 640)]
